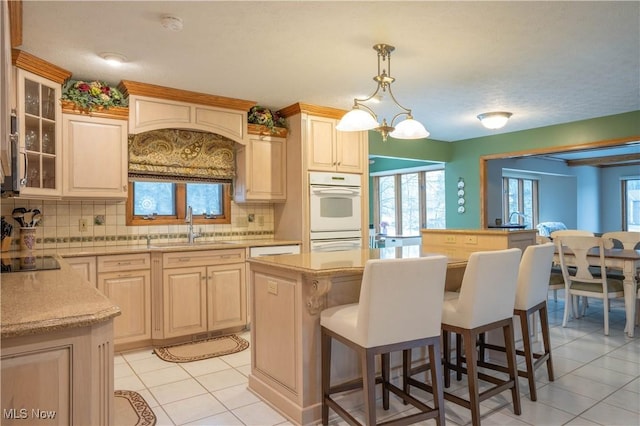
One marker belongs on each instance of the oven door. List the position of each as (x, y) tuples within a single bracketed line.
[(334, 208), (336, 245)]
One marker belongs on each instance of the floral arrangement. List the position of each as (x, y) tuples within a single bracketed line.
[(92, 95), (266, 117)]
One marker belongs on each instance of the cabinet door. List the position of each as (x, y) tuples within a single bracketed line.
[(39, 116), (131, 291), (261, 168), (85, 266), (321, 136), (184, 301), (226, 296), (350, 148), (89, 144)]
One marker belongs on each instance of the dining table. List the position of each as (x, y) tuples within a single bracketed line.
[(626, 261)]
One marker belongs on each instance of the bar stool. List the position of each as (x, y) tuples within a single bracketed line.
[(485, 303), (400, 307), (531, 298)]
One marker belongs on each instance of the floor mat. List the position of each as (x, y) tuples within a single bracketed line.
[(132, 410), (203, 349)]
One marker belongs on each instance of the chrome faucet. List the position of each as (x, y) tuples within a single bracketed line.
[(516, 213), (191, 236)]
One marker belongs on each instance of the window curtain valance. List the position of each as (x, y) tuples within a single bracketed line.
[(171, 154)]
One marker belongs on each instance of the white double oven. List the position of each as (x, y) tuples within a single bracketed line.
[(335, 211)]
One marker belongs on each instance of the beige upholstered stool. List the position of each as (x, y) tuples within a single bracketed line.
[(485, 303), (400, 308), (531, 298)]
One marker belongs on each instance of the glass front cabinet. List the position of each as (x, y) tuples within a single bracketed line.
[(39, 114)]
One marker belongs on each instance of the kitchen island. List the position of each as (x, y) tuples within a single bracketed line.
[(288, 293), (57, 349)]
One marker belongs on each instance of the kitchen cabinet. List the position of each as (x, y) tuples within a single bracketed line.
[(39, 117), (7, 91), (86, 266), (88, 144), (333, 151), (202, 291), (460, 243), (126, 280), (261, 170)]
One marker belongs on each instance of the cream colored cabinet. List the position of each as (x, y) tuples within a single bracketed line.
[(261, 168), (85, 266), (126, 280), (6, 89), (330, 150), (39, 117), (202, 291), (460, 243), (94, 157)]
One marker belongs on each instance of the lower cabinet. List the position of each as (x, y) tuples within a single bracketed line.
[(126, 280), (85, 266), (202, 291)]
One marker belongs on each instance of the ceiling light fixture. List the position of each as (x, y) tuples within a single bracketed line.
[(114, 59), (172, 23), (494, 120), (361, 117)]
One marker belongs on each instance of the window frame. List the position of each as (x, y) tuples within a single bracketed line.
[(181, 207), (624, 192), (534, 199)]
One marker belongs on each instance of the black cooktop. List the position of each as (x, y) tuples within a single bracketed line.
[(26, 262)]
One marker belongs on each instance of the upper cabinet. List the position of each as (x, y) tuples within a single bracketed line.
[(334, 151), (261, 170), (38, 88), (155, 107), (95, 156)]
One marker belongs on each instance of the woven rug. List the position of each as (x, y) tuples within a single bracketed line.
[(132, 410), (203, 349)]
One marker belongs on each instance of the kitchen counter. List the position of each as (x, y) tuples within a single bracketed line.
[(287, 294), (44, 301)]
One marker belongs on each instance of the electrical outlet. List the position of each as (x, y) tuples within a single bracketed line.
[(82, 225), (272, 287), (243, 222), (450, 239), (260, 220)]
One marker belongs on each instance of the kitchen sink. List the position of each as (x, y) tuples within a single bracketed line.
[(180, 244)]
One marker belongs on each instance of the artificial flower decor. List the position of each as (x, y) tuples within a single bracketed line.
[(92, 95), (266, 117)]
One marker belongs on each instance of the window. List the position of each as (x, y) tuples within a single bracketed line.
[(166, 203), (520, 201), (631, 204), (404, 203)]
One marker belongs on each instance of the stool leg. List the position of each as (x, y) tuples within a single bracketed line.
[(459, 356), (436, 382), (406, 367), (326, 374), (510, 347), (385, 364), (446, 348), (472, 375), (546, 340), (528, 356), (367, 359)]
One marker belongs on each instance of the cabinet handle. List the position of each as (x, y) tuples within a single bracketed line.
[(124, 275), (124, 263), (184, 259), (124, 188), (203, 278)]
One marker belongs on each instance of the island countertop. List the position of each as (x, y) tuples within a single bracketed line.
[(43, 301), (329, 263)]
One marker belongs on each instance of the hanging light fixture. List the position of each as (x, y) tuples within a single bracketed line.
[(361, 117), (494, 120)]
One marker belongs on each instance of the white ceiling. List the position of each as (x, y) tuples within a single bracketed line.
[(546, 62)]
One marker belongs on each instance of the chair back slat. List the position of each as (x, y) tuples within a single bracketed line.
[(629, 240), (580, 247)]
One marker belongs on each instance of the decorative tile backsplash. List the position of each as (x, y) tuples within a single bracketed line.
[(106, 224)]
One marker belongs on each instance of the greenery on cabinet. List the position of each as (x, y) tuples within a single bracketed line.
[(262, 116), (93, 95)]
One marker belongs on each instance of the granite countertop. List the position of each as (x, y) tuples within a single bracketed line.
[(486, 231), (335, 262), (43, 301), (160, 247)]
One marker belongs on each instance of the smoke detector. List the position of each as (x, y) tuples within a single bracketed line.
[(172, 23)]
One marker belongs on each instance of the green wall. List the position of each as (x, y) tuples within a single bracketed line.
[(463, 157)]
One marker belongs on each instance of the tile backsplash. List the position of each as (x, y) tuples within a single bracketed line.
[(106, 224)]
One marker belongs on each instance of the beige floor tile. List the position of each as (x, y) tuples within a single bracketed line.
[(258, 414), (611, 415), (194, 408), (176, 391), (236, 396), (205, 366), (227, 419), (222, 379), (164, 375)]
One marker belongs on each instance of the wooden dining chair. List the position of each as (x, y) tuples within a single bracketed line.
[(574, 250), (629, 240), (556, 281)]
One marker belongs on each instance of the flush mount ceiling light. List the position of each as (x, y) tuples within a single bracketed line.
[(114, 59), (362, 117), (494, 120), (172, 23)]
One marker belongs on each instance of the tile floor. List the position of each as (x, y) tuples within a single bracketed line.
[(597, 383)]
